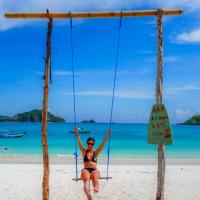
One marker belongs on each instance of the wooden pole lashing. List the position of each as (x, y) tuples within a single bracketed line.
[(45, 183), (159, 90)]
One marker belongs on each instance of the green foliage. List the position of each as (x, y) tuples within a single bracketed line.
[(195, 120), (92, 121), (2, 118), (33, 116)]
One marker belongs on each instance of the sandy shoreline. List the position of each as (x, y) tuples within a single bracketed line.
[(133, 178), (19, 159), (135, 182)]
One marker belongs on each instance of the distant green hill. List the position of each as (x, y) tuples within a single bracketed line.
[(91, 121), (4, 117), (195, 120), (32, 116)]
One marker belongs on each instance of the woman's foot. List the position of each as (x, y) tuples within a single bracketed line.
[(87, 193), (96, 189), (89, 197)]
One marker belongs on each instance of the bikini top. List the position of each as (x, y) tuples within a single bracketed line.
[(94, 158)]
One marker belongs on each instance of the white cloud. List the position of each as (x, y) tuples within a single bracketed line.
[(166, 59), (171, 59), (88, 73), (145, 71), (189, 37), (198, 111), (86, 5), (181, 114), (7, 24), (119, 94), (49, 110), (184, 88), (61, 73)]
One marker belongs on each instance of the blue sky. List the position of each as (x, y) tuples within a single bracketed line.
[(23, 47)]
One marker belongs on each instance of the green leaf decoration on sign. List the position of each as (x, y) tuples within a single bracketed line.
[(159, 129)]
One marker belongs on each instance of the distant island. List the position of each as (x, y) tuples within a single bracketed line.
[(31, 116), (194, 120), (3, 117), (91, 121)]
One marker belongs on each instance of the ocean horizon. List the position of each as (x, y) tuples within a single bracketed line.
[(127, 140)]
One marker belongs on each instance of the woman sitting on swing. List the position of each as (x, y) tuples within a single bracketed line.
[(90, 162)]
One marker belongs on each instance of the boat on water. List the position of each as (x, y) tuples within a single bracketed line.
[(11, 135), (81, 131), (8, 134)]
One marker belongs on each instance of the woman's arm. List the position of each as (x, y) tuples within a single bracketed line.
[(103, 143), (79, 141)]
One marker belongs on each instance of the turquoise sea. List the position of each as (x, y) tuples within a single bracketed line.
[(128, 140)]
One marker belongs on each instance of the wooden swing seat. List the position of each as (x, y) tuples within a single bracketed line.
[(104, 178)]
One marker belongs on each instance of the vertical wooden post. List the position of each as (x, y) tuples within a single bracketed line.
[(45, 183), (159, 89)]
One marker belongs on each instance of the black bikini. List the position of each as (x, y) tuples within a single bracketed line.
[(90, 170), (94, 159)]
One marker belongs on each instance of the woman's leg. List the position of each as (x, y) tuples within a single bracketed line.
[(85, 175), (95, 180)]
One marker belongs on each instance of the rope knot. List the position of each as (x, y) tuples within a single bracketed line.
[(70, 14), (76, 154)]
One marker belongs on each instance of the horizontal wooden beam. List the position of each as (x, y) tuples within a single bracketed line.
[(60, 15)]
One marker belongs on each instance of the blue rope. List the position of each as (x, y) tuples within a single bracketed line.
[(113, 91), (74, 94), (50, 24)]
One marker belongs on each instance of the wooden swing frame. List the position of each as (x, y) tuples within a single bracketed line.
[(113, 14)]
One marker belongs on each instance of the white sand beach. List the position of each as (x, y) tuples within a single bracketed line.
[(130, 181)]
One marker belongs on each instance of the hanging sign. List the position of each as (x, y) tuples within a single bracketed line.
[(159, 129)]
